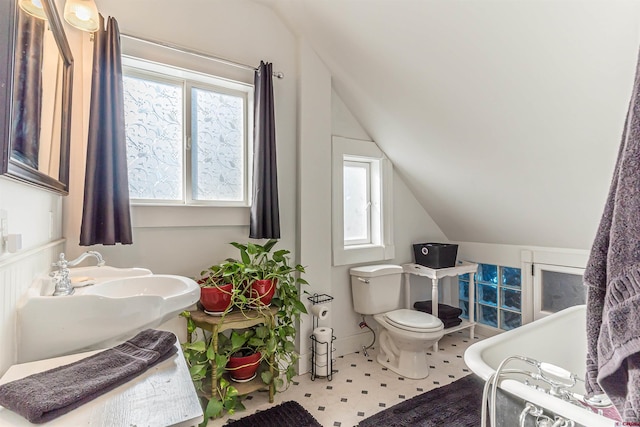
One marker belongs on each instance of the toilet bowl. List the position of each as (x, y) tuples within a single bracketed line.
[(405, 335)]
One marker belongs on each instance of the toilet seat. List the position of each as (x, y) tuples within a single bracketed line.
[(413, 321)]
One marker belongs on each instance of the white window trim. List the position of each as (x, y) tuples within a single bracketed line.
[(343, 255)]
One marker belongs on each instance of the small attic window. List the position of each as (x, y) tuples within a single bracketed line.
[(362, 202)]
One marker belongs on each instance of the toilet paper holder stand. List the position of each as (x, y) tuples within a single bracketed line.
[(315, 344)]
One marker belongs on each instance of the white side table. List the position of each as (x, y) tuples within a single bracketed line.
[(435, 274)]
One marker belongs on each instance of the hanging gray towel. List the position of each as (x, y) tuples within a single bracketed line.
[(613, 280), (47, 395)]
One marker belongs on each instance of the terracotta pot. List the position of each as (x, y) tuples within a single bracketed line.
[(243, 368), (216, 299), (264, 290)]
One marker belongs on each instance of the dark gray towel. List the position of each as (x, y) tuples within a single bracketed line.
[(47, 395), (613, 280), (450, 323), (444, 311)]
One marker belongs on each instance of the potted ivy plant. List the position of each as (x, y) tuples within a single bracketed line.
[(262, 262), (245, 351), (216, 290), (274, 340)]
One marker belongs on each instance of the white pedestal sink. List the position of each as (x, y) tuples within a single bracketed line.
[(109, 305)]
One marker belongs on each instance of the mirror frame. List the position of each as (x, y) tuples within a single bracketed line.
[(8, 165)]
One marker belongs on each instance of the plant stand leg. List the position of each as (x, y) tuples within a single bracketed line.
[(214, 373)]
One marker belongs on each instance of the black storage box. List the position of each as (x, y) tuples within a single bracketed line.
[(435, 255)]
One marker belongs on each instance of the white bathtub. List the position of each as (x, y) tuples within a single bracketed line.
[(559, 339)]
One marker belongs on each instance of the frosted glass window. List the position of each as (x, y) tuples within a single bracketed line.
[(153, 127), (217, 146), (187, 136), (561, 290), (357, 202)]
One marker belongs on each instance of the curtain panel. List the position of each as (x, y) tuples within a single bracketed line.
[(265, 213), (106, 217)]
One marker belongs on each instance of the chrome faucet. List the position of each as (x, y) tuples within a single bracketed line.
[(61, 277)]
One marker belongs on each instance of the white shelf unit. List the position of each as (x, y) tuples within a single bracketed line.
[(435, 274)]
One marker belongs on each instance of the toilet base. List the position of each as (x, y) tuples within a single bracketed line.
[(409, 364)]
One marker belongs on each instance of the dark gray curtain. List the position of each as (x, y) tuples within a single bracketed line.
[(106, 218), (265, 214), (27, 107)]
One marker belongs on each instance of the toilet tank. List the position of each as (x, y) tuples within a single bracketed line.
[(376, 288)]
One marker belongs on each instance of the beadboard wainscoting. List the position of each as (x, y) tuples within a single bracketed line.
[(17, 272)]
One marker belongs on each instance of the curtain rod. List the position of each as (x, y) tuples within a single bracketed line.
[(277, 74)]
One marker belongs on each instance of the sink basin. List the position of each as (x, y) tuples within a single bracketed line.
[(109, 305)]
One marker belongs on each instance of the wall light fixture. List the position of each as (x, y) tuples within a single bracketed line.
[(33, 8), (82, 14)]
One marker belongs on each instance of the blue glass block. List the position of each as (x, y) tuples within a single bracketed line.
[(463, 290), (488, 273), (510, 320), (464, 276), (488, 315), (511, 299), (511, 277), (488, 294), (464, 305)]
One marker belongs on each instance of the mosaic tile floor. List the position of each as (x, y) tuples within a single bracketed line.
[(361, 387)]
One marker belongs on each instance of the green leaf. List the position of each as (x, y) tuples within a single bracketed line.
[(211, 352), (238, 340), (262, 331), (271, 345), (214, 409), (245, 257), (198, 371), (270, 244), (299, 306), (267, 377), (289, 347), (199, 346), (231, 391)]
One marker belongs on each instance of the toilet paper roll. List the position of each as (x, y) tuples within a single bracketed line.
[(321, 369), (320, 311), (323, 335), (322, 350)]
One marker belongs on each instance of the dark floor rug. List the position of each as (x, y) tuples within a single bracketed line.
[(287, 414), (456, 404)]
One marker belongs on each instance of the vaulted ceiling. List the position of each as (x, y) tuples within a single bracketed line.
[(503, 116)]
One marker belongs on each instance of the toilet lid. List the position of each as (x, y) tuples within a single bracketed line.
[(416, 320)]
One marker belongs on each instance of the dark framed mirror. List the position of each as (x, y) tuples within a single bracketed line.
[(36, 75)]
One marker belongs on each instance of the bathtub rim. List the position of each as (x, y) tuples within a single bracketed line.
[(473, 358)]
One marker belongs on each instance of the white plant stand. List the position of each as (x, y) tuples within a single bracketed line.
[(435, 274)]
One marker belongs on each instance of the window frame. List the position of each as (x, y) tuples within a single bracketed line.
[(381, 184), (190, 79)]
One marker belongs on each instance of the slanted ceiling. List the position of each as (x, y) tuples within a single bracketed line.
[(503, 116)]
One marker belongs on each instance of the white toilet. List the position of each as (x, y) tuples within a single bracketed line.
[(406, 335)]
